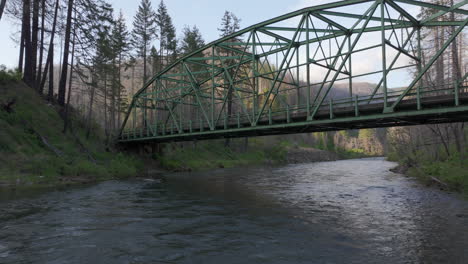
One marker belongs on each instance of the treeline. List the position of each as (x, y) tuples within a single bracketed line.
[(437, 152), (80, 53)]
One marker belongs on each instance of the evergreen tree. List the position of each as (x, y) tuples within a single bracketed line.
[(144, 31), (120, 49), (191, 41), (168, 41), (229, 25), (154, 60)]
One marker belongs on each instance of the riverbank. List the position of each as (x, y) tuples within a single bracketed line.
[(257, 152), (448, 175), (34, 150)]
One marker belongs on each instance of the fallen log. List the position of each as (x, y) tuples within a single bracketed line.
[(441, 183)]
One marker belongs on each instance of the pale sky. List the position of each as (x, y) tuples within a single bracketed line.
[(205, 14)]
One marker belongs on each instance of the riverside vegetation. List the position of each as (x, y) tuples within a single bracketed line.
[(34, 150), (440, 157)]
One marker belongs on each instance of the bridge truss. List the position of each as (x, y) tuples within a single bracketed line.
[(305, 72)]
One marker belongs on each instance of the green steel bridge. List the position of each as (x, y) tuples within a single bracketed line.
[(311, 70)]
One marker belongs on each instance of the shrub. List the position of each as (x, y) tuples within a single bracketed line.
[(8, 75)]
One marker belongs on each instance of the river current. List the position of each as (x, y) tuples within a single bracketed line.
[(352, 211)]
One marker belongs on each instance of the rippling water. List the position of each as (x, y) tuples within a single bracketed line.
[(353, 211)]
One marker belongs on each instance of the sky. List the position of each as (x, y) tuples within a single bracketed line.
[(205, 14)]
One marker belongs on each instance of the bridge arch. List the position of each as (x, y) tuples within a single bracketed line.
[(300, 72)]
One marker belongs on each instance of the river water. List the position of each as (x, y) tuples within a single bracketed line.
[(353, 211)]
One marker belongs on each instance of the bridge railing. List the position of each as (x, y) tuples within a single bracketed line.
[(334, 108)]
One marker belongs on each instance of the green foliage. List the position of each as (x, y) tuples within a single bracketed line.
[(366, 133), (352, 153), (453, 172), (167, 31), (123, 166), (209, 155), (8, 75), (344, 133), (229, 24), (25, 157), (144, 27), (191, 41)]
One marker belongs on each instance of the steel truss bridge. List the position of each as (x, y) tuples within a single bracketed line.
[(304, 71)]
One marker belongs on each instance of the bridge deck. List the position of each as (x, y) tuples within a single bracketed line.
[(434, 110)]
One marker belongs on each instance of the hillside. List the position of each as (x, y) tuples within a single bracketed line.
[(33, 149)]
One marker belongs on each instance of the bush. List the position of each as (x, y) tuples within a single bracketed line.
[(8, 75), (123, 166)]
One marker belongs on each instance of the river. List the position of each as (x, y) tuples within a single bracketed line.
[(352, 211)]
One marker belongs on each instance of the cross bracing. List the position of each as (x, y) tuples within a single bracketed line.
[(302, 72)]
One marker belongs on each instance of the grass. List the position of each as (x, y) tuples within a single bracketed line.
[(26, 160), (210, 155), (354, 153), (453, 172)]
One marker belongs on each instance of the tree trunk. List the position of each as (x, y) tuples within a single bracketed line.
[(119, 92), (112, 99), (63, 77), (50, 94), (27, 41), (106, 123), (50, 60), (21, 52), (41, 51), (90, 111), (34, 42), (67, 107), (144, 65), (2, 7)]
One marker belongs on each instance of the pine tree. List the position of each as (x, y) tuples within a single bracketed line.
[(229, 24), (144, 31), (120, 49), (168, 41), (191, 41), (66, 52), (154, 60)]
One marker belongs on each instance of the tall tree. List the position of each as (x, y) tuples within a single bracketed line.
[(229, 24), (26, 41), (192, 40), (41, 49), (168, 41), (50, 53), (70, 82), (50, 92), (66, 51), (34, 41), (120, 48), (144, 31)]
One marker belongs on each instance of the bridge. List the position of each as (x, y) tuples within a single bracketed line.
[(304, 72)]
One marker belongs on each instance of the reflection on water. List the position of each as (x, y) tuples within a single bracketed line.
[(351, 211)]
